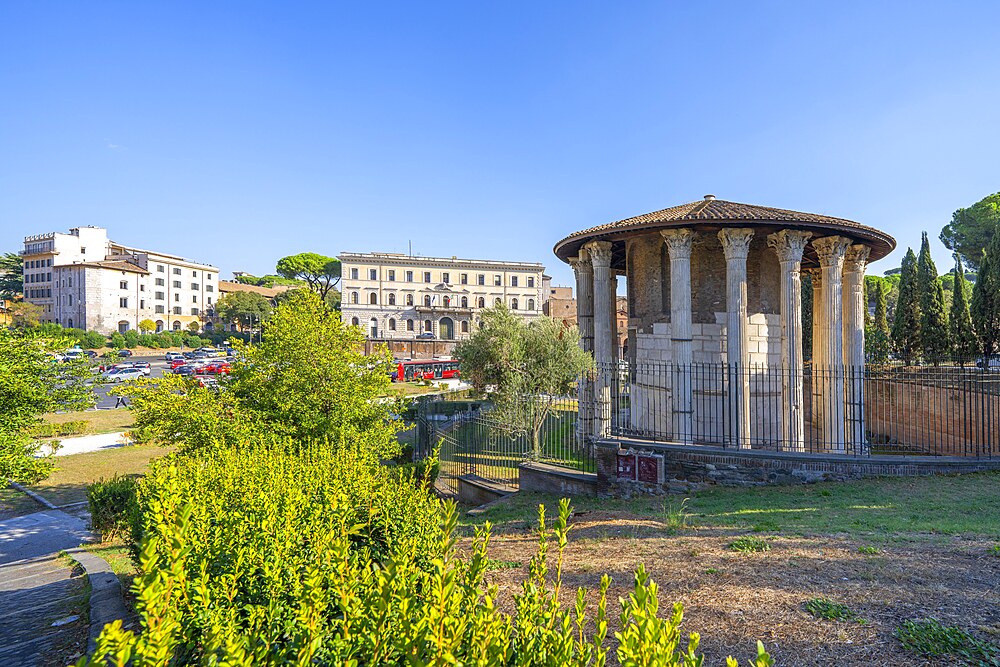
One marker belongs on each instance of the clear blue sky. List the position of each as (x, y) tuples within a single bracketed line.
[(238, 132)]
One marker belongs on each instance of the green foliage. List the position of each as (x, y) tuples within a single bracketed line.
[(117, 341), (878, 343), (320, 272), (31, 384), (749, 544), (985, 305), (829, 610), (675, 517), (972, 229), (131, 338), (268, 280), (93, 340), (934, 342), (963, 336), (906, 336), (931, 639), (147, 326), (494, 564), (244, 308), (11, 275), (46, 430), (526, 367), (24, 314), (868, 550), (110, 502)]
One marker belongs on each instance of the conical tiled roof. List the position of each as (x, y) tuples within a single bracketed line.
[(716, 213)]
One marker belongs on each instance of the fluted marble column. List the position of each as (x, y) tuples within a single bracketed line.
[(788, 245), (679, 242), (600, 256), (830, 250), (584, 272), (816, 386), (736, 247), (613, 292), (855, 261)]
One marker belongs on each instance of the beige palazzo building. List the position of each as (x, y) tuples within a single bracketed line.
[(714, 351)]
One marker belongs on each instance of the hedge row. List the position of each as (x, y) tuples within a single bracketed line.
[(58, 430)]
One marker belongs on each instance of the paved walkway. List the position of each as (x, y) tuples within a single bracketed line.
[(42, 595), (92, 443)]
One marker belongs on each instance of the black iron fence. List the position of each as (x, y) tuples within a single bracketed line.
[(943, 410)]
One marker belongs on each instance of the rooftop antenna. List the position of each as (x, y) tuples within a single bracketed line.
[(410, 245)]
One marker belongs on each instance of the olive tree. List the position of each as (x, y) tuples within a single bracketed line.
[(524, 366)]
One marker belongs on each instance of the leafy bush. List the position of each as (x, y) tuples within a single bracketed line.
[(118, 341), (749, 544), (92, 340), (931, 639), (132, 338), (46, 430), (110, 502)]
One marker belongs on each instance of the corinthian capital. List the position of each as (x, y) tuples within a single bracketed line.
[(789, 244), (581, 263), (856, 258), (736, 242), (830, 250), (678, 242), (600, 254)]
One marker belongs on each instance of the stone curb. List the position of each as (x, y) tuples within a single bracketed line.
[(106, 603), (34, 496)]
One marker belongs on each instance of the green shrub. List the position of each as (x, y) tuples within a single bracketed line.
[(868, 550), (749, 544), (117, 341), (45, 430), (111, 502), (931, 639), (132, 338), (92, 340)]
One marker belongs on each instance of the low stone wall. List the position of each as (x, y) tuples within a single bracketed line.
[(545, 478), (689, 467), (475, 490)]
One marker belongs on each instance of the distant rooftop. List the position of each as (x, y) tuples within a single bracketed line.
[(373, 257)]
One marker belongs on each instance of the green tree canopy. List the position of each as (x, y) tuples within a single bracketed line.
[(245, 308), (934, 341), (32, 383), (971, 229), (963, 336), (147, 326), (525, 366), (986, 298), (11, 275), (320, 272), (906, 319)]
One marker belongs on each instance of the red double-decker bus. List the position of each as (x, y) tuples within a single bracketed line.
[(437, 369)]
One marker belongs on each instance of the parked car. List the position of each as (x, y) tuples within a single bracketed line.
[(141, 365), (177, 363), (172, 356), (186, 370), (123, 374), (207, 383), (124, 352), (426, 334), (214, 368)]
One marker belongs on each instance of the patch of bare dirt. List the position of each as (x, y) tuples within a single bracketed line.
[(734, 599)]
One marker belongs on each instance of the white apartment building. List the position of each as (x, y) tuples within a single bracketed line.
[(83, 279), (397, 296)]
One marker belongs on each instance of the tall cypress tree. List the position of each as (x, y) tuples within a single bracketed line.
[(986, 299), (933, 317), (881, 307), (906, 321), (877, 341), (963, 338)]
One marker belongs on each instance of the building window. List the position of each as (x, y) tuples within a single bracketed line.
[(392, 324), (392, 299), (142, 304), (209, 300), (194, 311), (194, 286), (160, 310), (427, 325), (177, 271), (531, 304), (83, 250), (354, 297), (177, 310), (160, 268), (513, 281), (465, 326), (177, 284), (142, 288), (427, 300), (427, 276), (497, 301), (208, 276), (447, 302), (497, 281), (409, 325), (372, 274), (70, 298), (513, 304), (354, 274), (409, 276), (482, 302), (177, 297), (481, 279), (209, 288), (160, 282), (409, 299), (464, 278), (123, 302), (446, 278), (373, 299), (355, 321), (123, 284), (531, 281), (194, 299), (194, 274), (392, 275), (159, 295), (176, 325), (465, 302)]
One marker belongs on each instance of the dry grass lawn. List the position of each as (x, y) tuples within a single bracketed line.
[(98, 421)]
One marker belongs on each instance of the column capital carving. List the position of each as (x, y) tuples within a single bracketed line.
[(856, 258), (830, 249), (736, 242), (679, 242), (789, 244), (600, 254), (581, 263)]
